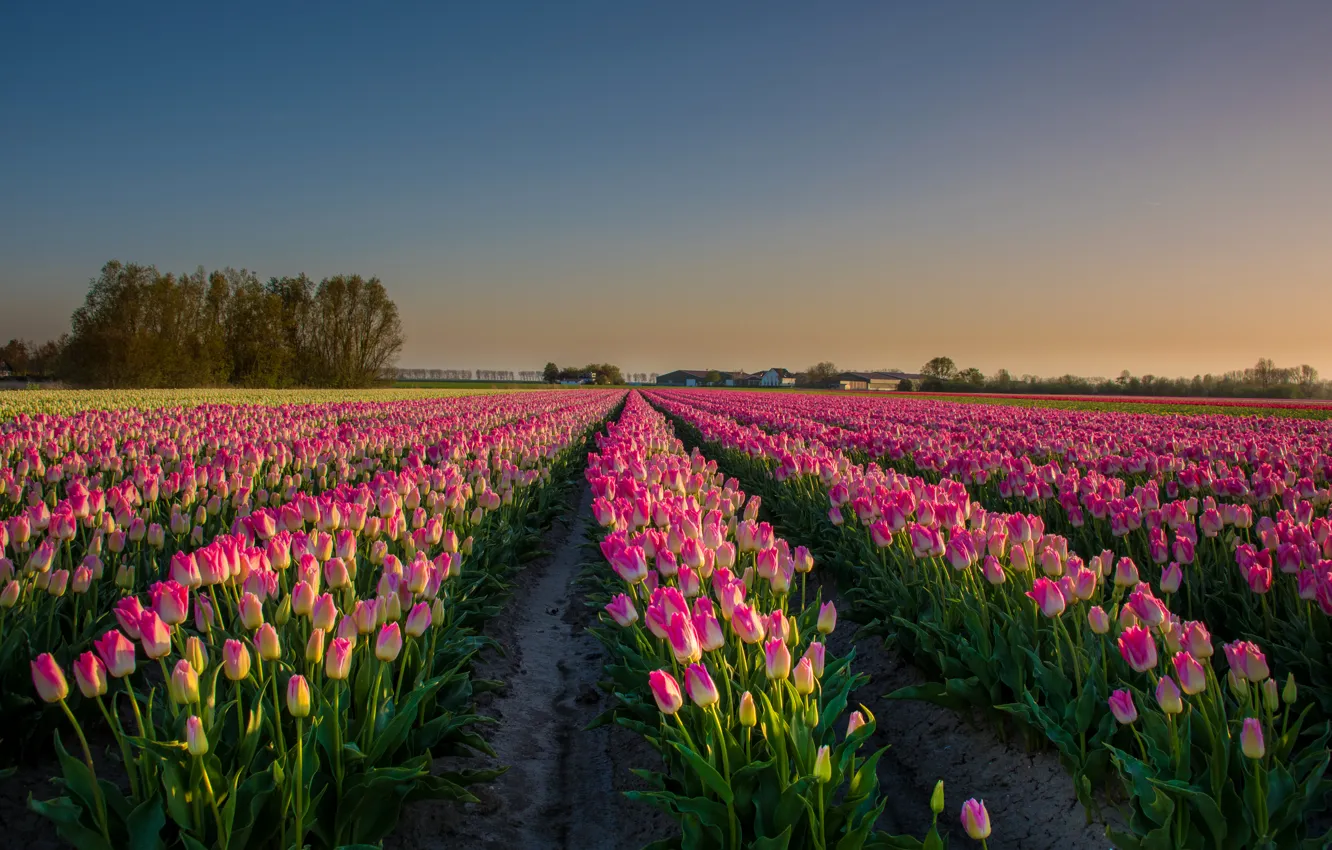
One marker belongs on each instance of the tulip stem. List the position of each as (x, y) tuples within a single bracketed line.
[(337, 738), (124, 747), (726, 772), (277, 709), (87, 758), (222, 838), (374, 708), (300, 780)]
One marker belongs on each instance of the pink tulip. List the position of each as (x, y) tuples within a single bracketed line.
[(418, 620), (298, 697), (266, 642), (777, 659), (1171, 578), (622, 610), (747, 624), (389, 643), (975, 819), (1048, 597), (196, 742), (1167, 696), (683, 639), (666, 691), (817, 654), (827, 621), (235, 660), (337, 661), (127, 611), (1122, 707), (171, 600), (116, 652), (1251, 739), (90, 675), (154, 634), (1138, 648), (49, 679), (700, 686)]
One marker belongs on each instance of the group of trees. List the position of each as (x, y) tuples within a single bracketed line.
[(596, 373), (26, 360), (1262, 380), (139, 327)]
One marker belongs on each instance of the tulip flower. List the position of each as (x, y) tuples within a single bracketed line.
[(235, 660), (699, 685), (337, 661), (49, 678), (1048, 597), (816, 653), (251, 612), (854, 722), (195, 739), (1138, 648), (975, 819), (1251, 739), (1192, 676), (267, 643), (622, 610), (389, 643), (116, 652), (154, 634), (298, 696), (777, 659), (823, 764), (1122, 707), (90, 675), (1167, 696), (804, 677), (827, 621), (666, 691), (748, 714)]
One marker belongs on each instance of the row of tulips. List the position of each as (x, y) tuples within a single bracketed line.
[(295, 664), (1081, 651), (719, 658), (102, 504), (1230, 515)]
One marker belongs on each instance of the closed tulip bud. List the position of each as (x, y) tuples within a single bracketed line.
[(48, 678), (777, 659), (1271, 696), (1251, 739), (1048, 597), (854, 722), (196, 653), (267, 643), (937, 798), (117, 653), (823, 764), (195, 739), (82, 580), (298, 697), (1192, 676), (827, 618), (10, 595), (314, 647), (323, 612), (975, 819), (59, 581), (283, 613), (90, 675), (817, 654), (666, 691), (699, 684), (154, 634), (1098, 620), (184, 684), (251, 611), (1122, 707), (418, 620), (302, 599), (389, 643), (1167, 696), (1288, 693), (748, 714), (1171, 578), (337, 662), (1138, 648), (235, 660), (804, 677)]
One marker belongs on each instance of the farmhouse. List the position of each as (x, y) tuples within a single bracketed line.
[(699, 378), (776, 378), (881, 381)]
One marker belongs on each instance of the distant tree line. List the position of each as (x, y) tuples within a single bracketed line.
[(595, 373), (139, 327), (1262, 380)]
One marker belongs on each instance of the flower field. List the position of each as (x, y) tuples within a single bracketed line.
[(251, 619)]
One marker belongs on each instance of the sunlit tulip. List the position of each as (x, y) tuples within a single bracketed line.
[(748, 714), (298, 697), (116, 652), (777, 659), (1192, 676), (389, 643), (90, 675), (1122, 707), (823, 764), (804, 677), (622, 610), (235, 660), (337, 660), (1138, 648), (48, 678), (700, 687), (195, 739), (1251, 739), (666, 691), (1167, 696), (827, 618), (1047, 597), (266, 642), (154, 634)]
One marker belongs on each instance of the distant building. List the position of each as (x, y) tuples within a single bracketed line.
[(879, 381), (699, 378), (776, 378), (5, 371)]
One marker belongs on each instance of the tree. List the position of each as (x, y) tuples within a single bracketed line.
[(941, 368), (972, 376), (551, 374), (904, 386), (713, 377), (822, 374), (355, 332)]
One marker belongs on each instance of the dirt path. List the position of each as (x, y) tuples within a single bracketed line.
[(562, 789)]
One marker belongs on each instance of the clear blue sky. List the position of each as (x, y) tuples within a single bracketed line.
[(1046, 187)]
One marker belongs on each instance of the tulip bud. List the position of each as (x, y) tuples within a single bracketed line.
[(266, 641), (823, 764), (251, 611), (1251, 739), (1288, 693), (314, 647), (854, 722), (337, 662), (1098, 620), (298, 697), (804, 677), (666, 691), (196, 653), (827, 618), (235, 660), (184, 684), (937, 798), (48, 678), (195, 739), (9, 596), (1271, 697), (748, 714), (975, 819), (389, 643)]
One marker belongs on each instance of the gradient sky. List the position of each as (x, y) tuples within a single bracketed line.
[(1048, 187)]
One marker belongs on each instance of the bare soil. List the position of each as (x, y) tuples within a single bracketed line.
[(563, 787)]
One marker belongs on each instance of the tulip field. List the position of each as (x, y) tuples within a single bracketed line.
[(251, 620)]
